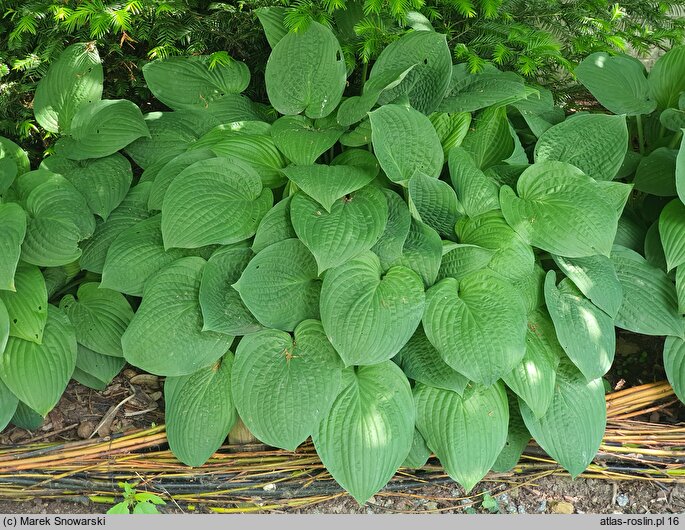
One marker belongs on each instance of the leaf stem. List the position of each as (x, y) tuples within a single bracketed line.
[(640, 134)]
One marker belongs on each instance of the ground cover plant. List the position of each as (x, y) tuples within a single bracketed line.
[(435, 264)]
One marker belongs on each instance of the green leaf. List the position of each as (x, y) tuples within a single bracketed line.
[(421, 252), (585, 332), (680, 288), (491, 141), (427, 82), (96, 370), (359, 158), (667, 77), (560, 210), (302, 140), (100, 317), (596, 278), (131, 210), (165, 336), (27, 306), (145, 508), (477, 324), (271, 19), (190, 82), (369, 315), (435, 203), (656, 173), (354, 224), (26, 418), (389, 246), (674, 364), (280, 285), (8, 404), (103, 182), (369, 430), (618, 83), (222, 309), (275, 226), (419, 453), (73, 80), (517, 439), (200, 411), (451, 128), (462, 260), (101, 128), (215, 201), (4, 326), (594, 143), (285, 385), (476, 192), (672, 232), (405, 143), (533, 378), (672, 119), (650, 301), (12, 232), (38, 373), (326, 184), (14, 162), (421, 362), (296, 82), (680, 171), (539, 112), (360, 136), (465, 433), (572, 429)]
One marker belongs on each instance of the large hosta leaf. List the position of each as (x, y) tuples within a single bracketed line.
[(650, 302), (674, 364), (490, 142), (421, 362), (192, 82), (369, 430), (100, 317), (672, 233), (170, 170), (572, 429), (389, 246), (451, 128), (8, 405), (585, 332), (419, 453), (285, 385), (517, 438), (426, 83), (38, 373), (594, 143), (327, 184), (280, 285), (680, 288), (222, 308), (478, 325), (215, 201), (560, 210), (72, 81), (596, 278), (4, 325), (353, 225), (477, 193), (12, 232), (101, 128), (274, 227), (680, 171), (656, 172), (200, 411), (165, 336), (461, 260), (435, 202), (619, 83), (405, 143), (306, 72), (533, 378), (369, 315), (96, 370), (302, 140), (667, 77), (466, 433), (103, 182), (421, 252), (14, 161), (27, 307)]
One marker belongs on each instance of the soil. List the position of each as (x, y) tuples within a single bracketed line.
[(134, 400)]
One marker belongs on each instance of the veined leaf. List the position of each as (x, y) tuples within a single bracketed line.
[(666, 79), (27, 306), (672, 232), (14, 162), (451, 128), (12, 232), (656, 173), (517, 438), (476, 192), (674, 364), (96, 370), (271, 19), (462, 260), (302, 140), (389, 246), (680, 171), (275, 226), (491, 141), (8, 404), (421, 252), (170, 170), (419, 453), (435, 203)]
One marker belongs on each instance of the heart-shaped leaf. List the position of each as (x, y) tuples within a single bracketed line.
[(275, 226), (302, 140), (12, 232), (27, 306)]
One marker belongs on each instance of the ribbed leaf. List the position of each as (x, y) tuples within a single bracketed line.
[(222, 309), (216, 201), (306, 72), (275, 226), (680, 288), (8, 405), (672, 232), (490, 141), (280, 285), (466, 433), (12, 232), (38, 373), (656, 173), (389, 246), (271, 19), (200, 411), (100, 317), (477, 324), (14, 161), (674, 364), (419, 453), (476, 192), (165, 336), (369, 315), (4, 326), (170, 170), (650, 301), (517, 439), (594, 143), (369, 430), (421, 252), (26, 418), (27, 306), (680, 171), (435, 203), (72, 81), (285, 385), (667, 77), (96, 370), (462, 260), (572, 429), (405, 143), (451, 128), (353, 225), (302, 140)]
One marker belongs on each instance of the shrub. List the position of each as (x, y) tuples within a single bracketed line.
[(434, 265)]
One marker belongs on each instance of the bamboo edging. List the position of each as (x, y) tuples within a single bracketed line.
[(257, 478)]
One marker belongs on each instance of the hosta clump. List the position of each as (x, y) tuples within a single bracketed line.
[(426, 266)]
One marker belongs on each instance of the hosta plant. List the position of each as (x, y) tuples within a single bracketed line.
[(436, 264)]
